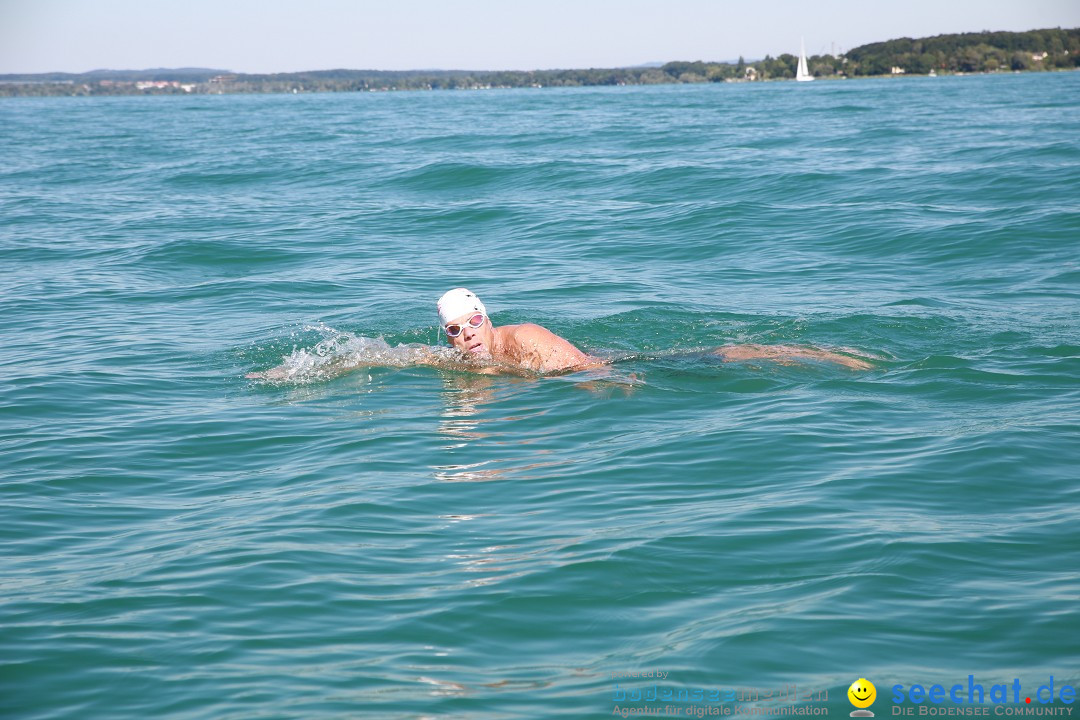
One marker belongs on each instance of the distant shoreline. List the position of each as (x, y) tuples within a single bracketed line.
[(10, 89), (958, 54)]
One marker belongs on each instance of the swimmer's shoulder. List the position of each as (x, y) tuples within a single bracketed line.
[(532, 337), (527, 331), (549, 352)]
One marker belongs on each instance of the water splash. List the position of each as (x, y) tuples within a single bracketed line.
[(339, 352)]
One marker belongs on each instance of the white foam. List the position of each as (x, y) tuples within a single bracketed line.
[(339, 352)]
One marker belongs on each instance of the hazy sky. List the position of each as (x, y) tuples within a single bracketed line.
[(277, 36)]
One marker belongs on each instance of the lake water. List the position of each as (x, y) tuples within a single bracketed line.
[(409, 542)]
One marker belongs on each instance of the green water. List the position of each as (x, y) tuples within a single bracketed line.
[(409, 542)]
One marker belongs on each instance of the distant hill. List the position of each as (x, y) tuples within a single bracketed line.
[(178, 74)]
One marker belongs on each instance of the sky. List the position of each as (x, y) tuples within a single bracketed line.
[(262, 36)]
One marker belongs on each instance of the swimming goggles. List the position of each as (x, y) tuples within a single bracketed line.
[(453, 330)]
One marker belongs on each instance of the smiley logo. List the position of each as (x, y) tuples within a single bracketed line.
[(862, 694)]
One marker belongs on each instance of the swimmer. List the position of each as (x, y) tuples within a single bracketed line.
[(532, 348)]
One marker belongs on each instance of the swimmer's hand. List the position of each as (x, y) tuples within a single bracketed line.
[(276, 373)]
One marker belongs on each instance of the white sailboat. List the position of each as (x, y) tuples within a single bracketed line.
[(803, 73)]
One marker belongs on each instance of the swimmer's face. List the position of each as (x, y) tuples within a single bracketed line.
[(473, 341)]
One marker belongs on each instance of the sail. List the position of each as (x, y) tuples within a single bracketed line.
[(803, 73)]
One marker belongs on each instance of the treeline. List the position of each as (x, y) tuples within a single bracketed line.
[(1054, 49), (969, 52), (962, 53)]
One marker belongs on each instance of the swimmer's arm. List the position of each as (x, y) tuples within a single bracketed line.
[(423, 356), (787, 353), (286, 371)]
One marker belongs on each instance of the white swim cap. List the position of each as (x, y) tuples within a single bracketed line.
[(458, 302)]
